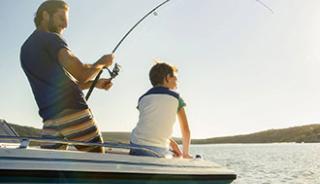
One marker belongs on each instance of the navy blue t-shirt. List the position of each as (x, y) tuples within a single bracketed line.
[(52, 87)]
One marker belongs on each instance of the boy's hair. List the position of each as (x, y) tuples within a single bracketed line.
[(50, 6), (159, 72)]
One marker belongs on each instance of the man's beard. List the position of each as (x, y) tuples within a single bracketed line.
[(52, 27)]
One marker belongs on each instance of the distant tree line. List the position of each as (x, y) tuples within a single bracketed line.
[(299, 134), (25, 131)]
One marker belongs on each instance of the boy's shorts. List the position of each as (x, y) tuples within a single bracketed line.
[(150, 151)]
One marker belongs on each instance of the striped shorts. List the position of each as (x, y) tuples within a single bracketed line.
[(72, 125)]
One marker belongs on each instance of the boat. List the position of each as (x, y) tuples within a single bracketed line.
[(20, 162)]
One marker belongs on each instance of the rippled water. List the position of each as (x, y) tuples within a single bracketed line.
[(267, 163)]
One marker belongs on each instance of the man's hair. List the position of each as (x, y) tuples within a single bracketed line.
[(50, 6), (159, 72)]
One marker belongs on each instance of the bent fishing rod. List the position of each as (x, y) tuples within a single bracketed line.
[(265, 5), (116, 69)]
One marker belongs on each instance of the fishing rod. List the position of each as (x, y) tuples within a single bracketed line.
[(265, 5), (116, 69)]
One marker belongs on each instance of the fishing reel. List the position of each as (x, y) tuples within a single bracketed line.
[(115, 71)]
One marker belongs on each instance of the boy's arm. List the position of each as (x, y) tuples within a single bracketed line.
[(185, 131)]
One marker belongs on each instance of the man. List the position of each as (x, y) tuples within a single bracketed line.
[(158, 109), (57, 77)]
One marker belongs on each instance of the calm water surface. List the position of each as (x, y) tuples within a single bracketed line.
[(267, 163)]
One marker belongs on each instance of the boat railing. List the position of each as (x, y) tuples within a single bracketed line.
[(24, 142)]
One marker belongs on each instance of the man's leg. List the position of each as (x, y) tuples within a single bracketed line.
[(80, 126), (51, 133)]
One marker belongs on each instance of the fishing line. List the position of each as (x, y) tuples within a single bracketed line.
[(116, 69)]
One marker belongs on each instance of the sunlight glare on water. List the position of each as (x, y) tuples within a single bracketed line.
[(279, 163)]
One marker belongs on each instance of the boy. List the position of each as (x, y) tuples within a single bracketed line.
[(158, 108)]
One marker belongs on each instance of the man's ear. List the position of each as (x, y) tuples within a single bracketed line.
[(45, 16)]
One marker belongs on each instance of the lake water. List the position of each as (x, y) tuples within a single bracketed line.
[(288, 163)]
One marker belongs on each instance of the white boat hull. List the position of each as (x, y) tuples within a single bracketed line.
[(54, 166)]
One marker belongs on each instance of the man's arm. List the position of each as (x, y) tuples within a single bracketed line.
[(83, 73), (101, 84), (185, 131)]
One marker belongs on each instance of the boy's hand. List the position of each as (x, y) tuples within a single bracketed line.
[(187, 156)]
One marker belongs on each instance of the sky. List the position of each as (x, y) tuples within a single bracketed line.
[(242, 68)]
